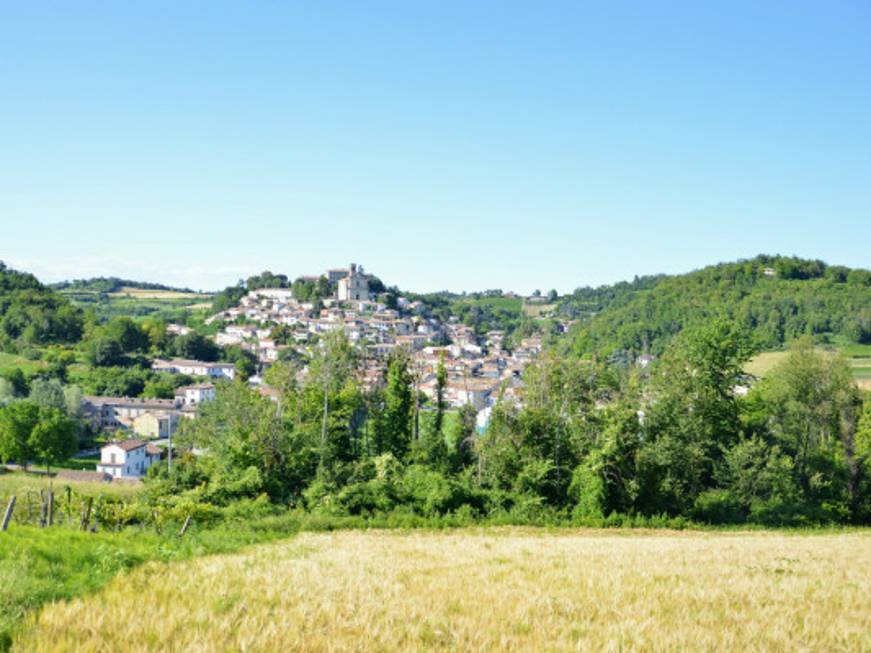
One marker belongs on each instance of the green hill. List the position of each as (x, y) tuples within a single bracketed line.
[(111, 285), (32, 314), (777, 299)]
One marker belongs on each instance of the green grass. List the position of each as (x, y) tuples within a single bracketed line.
[(9, 362), (514, 304), (537, 310), (20, 483), (85, 464), (169, 306), (853, 349), (763, 363), (42, 565)]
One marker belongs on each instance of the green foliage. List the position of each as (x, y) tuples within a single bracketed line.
[(112, 284), (17, 421), (800, 299), (396, 423), (114, 381), (31, 314), (53, 438)]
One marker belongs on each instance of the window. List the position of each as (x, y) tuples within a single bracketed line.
[(112, 458)]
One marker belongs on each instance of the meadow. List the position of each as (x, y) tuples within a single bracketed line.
[(20, 483), (858, 356), (484, 589), (137, 302), (11, 362)]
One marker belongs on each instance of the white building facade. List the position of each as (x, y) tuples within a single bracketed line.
[(127, 458)]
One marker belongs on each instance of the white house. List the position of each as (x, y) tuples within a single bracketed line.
[(127, 458), (275, 294), (196, 368), (192, 395)]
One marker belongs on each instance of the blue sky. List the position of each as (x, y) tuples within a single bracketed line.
[(459, 145)]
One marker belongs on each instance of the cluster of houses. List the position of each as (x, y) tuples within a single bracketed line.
[(150, 421), (479, 370)]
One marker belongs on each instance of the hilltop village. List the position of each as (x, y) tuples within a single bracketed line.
[(272, 324)]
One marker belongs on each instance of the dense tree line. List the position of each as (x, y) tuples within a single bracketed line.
[(111, 284), (775, 299), (588, 441)]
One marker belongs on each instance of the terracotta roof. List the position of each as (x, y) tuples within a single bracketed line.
[(128, 445)]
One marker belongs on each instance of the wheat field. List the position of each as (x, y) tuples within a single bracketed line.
[(486, 590)]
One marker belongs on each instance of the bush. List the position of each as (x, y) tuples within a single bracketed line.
[(718, 507)]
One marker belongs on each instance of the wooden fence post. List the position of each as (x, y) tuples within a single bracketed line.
[(86, 516), (97, 514), (184, 528), (43, 510), (9, 508), (51, 507)]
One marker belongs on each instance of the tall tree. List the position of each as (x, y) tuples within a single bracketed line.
[(398, 404), (813, 408), (692, 413), (333, 364)]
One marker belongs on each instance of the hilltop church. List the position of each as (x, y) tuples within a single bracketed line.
[(354, 286)]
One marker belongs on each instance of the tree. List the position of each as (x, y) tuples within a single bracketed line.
[(16, 378), (53, 438), (127, 334), (249, 449), (104, 352), (813, 409), (244, 360), (48, 393), (17, 421), (398, 404), (692, 414), (331, 367), (441, 386), (7, 391), (197, 347)]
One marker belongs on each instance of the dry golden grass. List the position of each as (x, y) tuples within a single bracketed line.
[(486, 590)]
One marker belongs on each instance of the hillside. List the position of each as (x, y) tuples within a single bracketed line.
[(777, 299), (112, 285), (33, 314)]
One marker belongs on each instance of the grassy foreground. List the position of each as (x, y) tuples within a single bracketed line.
[(483, 590)]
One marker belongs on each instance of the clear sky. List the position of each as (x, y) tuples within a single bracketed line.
[(460, 145)]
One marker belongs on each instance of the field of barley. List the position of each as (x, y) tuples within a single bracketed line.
[(483, 590)]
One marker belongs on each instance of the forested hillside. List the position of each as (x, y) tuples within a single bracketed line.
[(776, 299), (32, 314), (112, 284)]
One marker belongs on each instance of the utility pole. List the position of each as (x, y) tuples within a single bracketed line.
[(169, 446)]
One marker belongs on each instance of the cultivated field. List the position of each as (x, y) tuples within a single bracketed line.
[(146, 293), (486, 590), (860, 362)]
